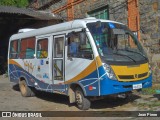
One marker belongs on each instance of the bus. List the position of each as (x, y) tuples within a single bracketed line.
[(84, 59)]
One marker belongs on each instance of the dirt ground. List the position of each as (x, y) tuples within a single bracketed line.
[(11, 100)]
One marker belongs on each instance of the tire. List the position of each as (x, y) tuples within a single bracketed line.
[(82, 102), (25, 90)]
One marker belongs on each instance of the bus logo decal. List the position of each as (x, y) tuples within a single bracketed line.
[(136, 75)]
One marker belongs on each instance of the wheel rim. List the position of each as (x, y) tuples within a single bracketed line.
[(79, 99), (23, 88)]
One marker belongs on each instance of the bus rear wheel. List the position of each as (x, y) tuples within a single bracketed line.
[(25, 90), (82, 102)]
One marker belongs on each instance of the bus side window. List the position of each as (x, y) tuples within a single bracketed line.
[(14, 53), (27, 48), (73, 46), (42, 48), (79, 49)]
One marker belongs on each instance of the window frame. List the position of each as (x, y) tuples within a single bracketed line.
[(26, 48), (41, 39), (18, 49), (56, 41), (98, 12), (80, 50)]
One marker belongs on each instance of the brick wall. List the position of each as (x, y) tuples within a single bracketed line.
[(133, 16)]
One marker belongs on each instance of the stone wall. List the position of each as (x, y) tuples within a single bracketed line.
[(117, 9), (83, 8), (150, 33)]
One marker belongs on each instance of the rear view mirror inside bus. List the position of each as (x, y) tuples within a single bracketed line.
[(118, 31), (83, 38)]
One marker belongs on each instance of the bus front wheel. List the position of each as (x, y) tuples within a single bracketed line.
[(25, 90), (82, 102)]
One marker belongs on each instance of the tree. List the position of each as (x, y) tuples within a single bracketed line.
[(17, 3)]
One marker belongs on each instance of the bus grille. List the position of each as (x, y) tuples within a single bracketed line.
[(142, 75), (133, 76), (126, 76)]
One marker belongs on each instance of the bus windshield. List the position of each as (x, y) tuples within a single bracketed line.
[(116, 43)]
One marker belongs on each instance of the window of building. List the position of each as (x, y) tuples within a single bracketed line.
[(42, 48), (27, 49), (14, 52), (100, 13)]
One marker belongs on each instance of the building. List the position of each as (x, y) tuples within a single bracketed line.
[(124, 11), (141, 16), (12, 19)]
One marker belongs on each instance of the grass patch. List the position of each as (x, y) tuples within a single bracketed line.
[(154, 104), (151, 90), (149, 104), (148, 91)]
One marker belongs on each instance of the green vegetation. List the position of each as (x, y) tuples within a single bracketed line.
[(17, 3), (152, 90), (149, 105), (148, 91)]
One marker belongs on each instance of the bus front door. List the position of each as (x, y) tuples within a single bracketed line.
[(58, 64)]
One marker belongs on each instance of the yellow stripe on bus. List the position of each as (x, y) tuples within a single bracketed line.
[(14, 63), (91, 68)]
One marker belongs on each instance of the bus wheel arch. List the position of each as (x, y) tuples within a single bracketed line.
[(77, 95), (25, 90), (71, 91), (83, 103)]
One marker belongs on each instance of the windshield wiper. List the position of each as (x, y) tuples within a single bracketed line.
[(136, 52), (115, 53)]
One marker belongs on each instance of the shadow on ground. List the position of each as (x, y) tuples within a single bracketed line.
[(112, 102), (108, 102), (157, 96), (57, 98), (16, 87)]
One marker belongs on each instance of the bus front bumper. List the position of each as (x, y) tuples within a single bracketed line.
[(108, 86)]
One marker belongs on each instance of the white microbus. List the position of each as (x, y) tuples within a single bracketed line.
[(83, 59)]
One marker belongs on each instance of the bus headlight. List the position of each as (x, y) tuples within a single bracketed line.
[(109, 71), (150, 69)]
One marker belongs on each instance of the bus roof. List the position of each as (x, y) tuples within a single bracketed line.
[(79, 23)]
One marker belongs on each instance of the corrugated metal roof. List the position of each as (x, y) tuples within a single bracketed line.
[(42, 15)]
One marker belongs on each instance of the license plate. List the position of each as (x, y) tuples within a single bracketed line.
[(137, 86)]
